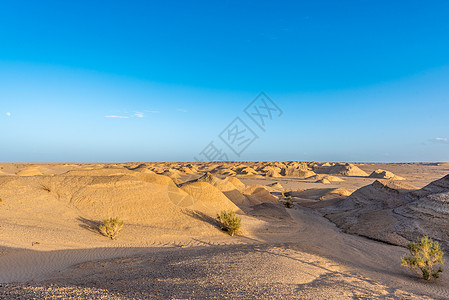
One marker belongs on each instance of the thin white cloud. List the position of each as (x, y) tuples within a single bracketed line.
[(117, 117), (182, 110), (127, 115), (153, 111), (8, 114), (440, 140)]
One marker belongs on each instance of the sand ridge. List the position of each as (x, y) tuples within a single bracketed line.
[(50, 214)]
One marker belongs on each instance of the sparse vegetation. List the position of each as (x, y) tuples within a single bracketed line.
[(425, 254), (111, 227), (287, 199), (45, 188), (229, 222), (1, 200)]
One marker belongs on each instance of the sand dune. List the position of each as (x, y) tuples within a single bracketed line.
[(382, 174), (30, 172), (171, 246), (396, 212), (346, 169)]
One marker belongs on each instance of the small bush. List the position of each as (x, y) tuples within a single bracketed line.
[(288, 203), (229, 222), (111, 227), (287, 199), (425, 254)]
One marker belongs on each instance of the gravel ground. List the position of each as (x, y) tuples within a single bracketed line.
[(224, 272)]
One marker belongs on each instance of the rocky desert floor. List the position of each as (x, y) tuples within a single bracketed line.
[(342, 239)]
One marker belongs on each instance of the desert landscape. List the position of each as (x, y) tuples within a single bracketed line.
[(342, 238), (224, 150)]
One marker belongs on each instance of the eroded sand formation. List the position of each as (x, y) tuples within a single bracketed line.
[(51, 212)]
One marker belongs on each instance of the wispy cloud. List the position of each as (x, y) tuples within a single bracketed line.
[(117, 117), (153, 111), (8, 114), (127, 115), (440, 140), (182, 110)]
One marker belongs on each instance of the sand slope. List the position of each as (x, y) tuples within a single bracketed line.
[(171, 246), (395, 212)]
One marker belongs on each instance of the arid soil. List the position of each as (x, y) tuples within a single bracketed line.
[(343, 237)]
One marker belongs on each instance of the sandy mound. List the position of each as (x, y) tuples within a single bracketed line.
[(144, 176), (259, 194), (143, 168), (341, 192), (228, 172), (134, 200), (225, 186), (298, 165), (321, 198), (382, 174), (435, 187), (247, 171), (56, 209), (238, 167), (209, 195), (342, 169), (268, 168), (378, 195), (320, 193), (272, 173), (300, 172), (333, 178), (220, 184), (395, 212), (428, 212), (225, 172), (186, 170), (237, 183), (323, 181), (327, 177), (157, 170), (172, 173), (33, 171)]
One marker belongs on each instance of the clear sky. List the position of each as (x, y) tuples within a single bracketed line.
[(158, 81)]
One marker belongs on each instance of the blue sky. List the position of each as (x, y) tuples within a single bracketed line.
[(356, 80)]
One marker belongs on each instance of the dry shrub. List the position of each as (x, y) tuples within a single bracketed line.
[(111, 227), (229, 222), (287, 199), (425, 254)]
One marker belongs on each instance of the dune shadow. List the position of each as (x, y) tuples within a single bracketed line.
[(91, 225), (201, 217)]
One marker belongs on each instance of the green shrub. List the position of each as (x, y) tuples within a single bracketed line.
[(287, 199), (111, 227), (425, 254), (229, 222)]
